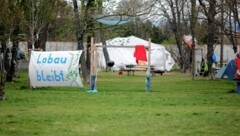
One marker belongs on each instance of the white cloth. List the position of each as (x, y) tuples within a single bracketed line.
[(55, 68)]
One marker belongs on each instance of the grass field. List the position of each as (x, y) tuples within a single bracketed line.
[(177, 106)]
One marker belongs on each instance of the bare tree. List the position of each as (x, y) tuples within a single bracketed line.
[(4, 30), (232, 9), (173, 11), (193, 20), (38, 15), (80, 35), (10, 14), (209, 10), (85, 23)]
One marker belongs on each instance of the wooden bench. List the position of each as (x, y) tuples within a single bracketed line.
[(130, 69)]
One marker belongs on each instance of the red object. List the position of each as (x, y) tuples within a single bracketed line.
[(120, 73), (140, 53), (188, 41), (237, 59)]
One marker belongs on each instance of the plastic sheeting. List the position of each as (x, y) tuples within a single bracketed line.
[(160, 58), (114, 20)]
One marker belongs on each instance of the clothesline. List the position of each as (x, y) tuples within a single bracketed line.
[(94, 72), (117, 46)]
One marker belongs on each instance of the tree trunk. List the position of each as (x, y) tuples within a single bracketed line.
[(193, 23), (11, 60), (2, 83), (2, 70), (183, 61), (210, 44), (231, 37), (210, 12), (176, 24), (105, 52), (89, 11), (211, 35), (79, 34), (42, 39)]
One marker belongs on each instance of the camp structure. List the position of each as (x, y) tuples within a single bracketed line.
[(161, 59), (227, 71), (230, 71)]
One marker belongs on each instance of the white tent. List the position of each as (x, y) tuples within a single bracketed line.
[(160, 58)]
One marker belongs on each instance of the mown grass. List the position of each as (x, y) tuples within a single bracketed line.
[(176, 106)]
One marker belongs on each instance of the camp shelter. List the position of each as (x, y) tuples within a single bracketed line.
[(160, 58), (228, 70)]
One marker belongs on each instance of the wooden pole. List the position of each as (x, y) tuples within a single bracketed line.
[(148, 73), (92, 69), (149, 54), (29, 82), (92, 57), (117, 46)]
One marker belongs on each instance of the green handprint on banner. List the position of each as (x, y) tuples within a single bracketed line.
[(73, 71)]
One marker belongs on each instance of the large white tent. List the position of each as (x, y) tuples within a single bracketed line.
[(160, 58)]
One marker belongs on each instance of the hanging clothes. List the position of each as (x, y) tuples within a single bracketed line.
[(140, 53)]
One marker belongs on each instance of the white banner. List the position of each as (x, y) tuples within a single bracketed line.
[(55, 68)]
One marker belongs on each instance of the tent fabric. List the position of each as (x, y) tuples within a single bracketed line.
[(228, 70), (160, 58), (140, 53)]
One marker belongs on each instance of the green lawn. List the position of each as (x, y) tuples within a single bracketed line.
[(177, 106)]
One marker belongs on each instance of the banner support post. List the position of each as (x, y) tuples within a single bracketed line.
[(92, 69), (148, 73)]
